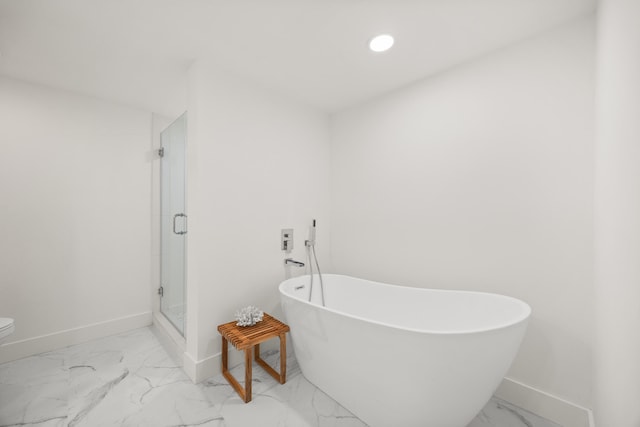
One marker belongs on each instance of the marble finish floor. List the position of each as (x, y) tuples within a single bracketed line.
[(130, 380)]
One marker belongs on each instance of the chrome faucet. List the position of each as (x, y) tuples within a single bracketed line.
[(294, 262)]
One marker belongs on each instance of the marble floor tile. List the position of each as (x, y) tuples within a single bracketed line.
[(500, 413), (130, 380)]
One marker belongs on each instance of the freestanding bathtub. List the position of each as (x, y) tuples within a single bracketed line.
[(401, 356)]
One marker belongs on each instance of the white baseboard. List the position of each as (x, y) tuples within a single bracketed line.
[(189, 367), (551, 407), (41, 344), (200, 370)]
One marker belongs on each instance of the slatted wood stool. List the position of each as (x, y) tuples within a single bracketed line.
[(247, 338)]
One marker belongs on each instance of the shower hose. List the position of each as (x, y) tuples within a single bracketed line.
[(311, 250)]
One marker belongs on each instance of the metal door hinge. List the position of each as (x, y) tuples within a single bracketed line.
[(161, 152), (161, 291), (185, 223)]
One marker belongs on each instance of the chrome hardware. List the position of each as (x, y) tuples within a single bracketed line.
[(161, 152), (286, 239), (297, 288), (292, 261), (161, 291), (185, 223), (312, 236)]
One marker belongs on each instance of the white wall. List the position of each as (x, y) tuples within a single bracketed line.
[(257, 163), (481, 178), (75, 217), (618, 215)]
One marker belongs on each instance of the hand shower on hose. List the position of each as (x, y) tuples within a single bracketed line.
[(310, 244)]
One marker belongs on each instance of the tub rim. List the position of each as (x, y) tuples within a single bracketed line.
[(522, 318)]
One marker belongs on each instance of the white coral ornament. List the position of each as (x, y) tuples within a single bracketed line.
[(249, 316)]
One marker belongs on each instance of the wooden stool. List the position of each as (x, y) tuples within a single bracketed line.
[(246, 338)]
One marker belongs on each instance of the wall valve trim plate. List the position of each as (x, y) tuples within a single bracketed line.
[(286, 239)]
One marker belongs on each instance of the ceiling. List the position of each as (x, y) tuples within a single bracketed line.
[(314, 51)]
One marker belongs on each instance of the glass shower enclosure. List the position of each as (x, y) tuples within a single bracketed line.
[(173, 220)]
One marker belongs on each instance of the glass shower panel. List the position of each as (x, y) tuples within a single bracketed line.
[(173, 222)]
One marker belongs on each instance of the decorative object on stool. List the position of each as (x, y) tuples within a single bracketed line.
[(249, 316)]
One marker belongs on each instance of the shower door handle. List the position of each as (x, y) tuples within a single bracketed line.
[(174, 223)]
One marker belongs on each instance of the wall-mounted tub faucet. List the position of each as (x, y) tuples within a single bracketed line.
[(294, 262)]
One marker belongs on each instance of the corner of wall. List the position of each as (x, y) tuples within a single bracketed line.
[(200, 370)]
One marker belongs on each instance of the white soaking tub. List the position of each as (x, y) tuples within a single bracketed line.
[(402, 356)]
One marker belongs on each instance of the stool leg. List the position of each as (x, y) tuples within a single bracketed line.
[(283, 358), (247, 375), (281, 376), (245, 395), (225, 356)]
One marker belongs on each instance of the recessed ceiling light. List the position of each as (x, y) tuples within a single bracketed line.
[(381, 43)]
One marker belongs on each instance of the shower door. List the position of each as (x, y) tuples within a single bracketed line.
[(173, 229)]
